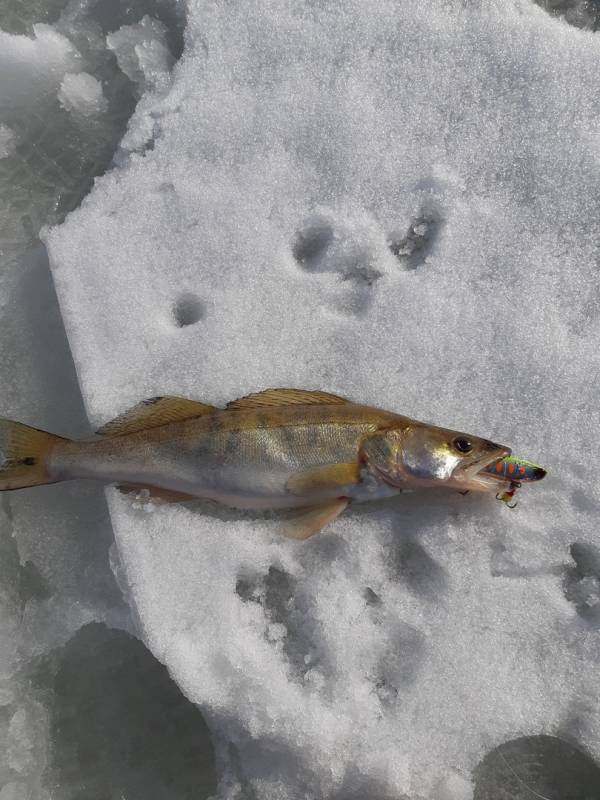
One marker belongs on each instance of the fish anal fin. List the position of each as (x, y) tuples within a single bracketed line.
[(286, 397), (153, 413), (313, 519), (320, 479), (154, 494)]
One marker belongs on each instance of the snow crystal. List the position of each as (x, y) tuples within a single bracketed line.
[(82, 93), (397, 203)]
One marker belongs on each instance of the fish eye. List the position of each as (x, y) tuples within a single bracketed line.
[(462, 445)]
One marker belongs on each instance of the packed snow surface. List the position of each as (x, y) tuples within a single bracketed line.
[(397, 202)]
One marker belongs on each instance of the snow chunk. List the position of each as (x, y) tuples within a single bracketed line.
[(82, 93), (141, 52), (7, 141)]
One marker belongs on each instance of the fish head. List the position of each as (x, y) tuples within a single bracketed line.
[(421, 455)]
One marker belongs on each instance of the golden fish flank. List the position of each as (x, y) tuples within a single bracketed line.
[(282, 448)]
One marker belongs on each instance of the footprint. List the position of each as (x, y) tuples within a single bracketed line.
[(536, 766), (581, 583), (287, 617), (413, 247), (583, 502), (348, 250), (187, 310), (371, 597), (399, 666), (408, 561), (324, 245)]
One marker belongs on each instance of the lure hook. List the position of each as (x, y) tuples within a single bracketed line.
[(508, 495)]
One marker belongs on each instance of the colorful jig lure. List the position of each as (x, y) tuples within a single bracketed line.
[(518, 471)]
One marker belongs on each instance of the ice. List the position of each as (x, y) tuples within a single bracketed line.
[(82, 93), (581, 13), (141, 52), (397, 203), (32, 67), (120, 727)]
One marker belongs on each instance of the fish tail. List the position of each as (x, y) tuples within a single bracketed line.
[(25, 456)]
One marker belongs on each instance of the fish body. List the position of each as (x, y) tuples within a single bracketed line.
[(283, 448), (245, 458)]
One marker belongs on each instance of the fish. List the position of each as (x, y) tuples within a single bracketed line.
[(310, 451)]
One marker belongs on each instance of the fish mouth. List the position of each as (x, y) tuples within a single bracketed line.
[(473, 476)]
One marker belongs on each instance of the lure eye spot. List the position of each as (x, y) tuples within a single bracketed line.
[(463, 445)]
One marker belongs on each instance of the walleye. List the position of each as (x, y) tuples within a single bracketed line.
[(277, 449)]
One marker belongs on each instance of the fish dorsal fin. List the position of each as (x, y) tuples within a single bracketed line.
[(153, 413), (286, 397)]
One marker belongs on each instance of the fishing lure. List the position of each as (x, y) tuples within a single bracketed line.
[(518, 471)]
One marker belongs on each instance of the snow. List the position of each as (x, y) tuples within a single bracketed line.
[(141, 52), (7, 141), (81, 92), (397, 203)]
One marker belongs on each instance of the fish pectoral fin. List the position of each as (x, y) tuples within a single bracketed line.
[(286, 397), (153, 413), (320, 479), (154, 494), (313, 519)]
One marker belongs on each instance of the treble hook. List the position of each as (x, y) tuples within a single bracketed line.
[(509, 494)]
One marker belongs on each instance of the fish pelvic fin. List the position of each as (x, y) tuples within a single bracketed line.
[(313, 519), (154, 413), (24, 455)]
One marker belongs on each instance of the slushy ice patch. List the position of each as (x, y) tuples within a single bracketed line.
[(580, 13), (120, 727), (536, 767)]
